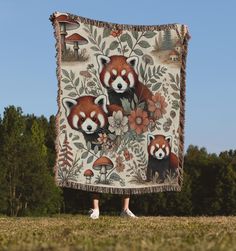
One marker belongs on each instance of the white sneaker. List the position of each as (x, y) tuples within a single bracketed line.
[(94, 214), (127, 213)]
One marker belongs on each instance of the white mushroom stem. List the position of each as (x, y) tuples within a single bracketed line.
[(76, 49), (88, 179), (63, 36), (103, 172)]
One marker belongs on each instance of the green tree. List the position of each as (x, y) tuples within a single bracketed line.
[(167, 43)]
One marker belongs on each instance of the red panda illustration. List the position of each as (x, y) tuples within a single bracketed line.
[(160, 157), (89, 115), (118, 76)]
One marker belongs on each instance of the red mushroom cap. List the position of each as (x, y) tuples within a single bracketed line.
[(88, 172), (76, 38), (102, 161), (70, 23)]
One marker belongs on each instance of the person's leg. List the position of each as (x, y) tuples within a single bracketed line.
[(94, 212), (125, 202), (95, 198), (125, 207)]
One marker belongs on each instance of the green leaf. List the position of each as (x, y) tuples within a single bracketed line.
[(95, 33), (132, 105), (76, 82), (66, 80), (154, 70), (72, 94), (149, 34), (175, 95), (126, 105), (66, 73), (114, 45), (76, 137), (149, 72), (127, 38), (96, 149), (135, 99), (141, 105), (79, 145), (103, 45), (177, 79), (99, 39), (141, 69), (68, 87), (90, 159), (112, 136), (107, 51), (138, 52), (84, 155), (172, 78), (123, 37), (89, 145), (156, 87), (72, 75), (92, 40), (175, 88), (152, 80), (94, 48), (144, 44), (135, 34), (81, 89), (106, 32)]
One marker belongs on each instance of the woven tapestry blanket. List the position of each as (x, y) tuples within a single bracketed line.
[(121, 105)]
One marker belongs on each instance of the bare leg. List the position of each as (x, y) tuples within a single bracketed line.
[(125, 207), (125, 202), (95, 198), (94, 212)]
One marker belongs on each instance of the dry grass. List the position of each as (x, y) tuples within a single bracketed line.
[(117, 234)]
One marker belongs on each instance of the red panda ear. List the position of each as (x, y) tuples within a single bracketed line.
[(150, 137), (68, 103), (169, 139), (102, 100), (133, 61), (102, 60)]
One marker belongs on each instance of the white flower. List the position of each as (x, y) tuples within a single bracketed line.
[(118, 123)]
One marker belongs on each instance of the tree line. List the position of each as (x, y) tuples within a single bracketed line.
[(27, 186)]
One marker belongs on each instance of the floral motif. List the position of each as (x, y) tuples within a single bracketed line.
[(128, 156), (85, 74), (157, 105), (116, 32), (118, 123), (139, 121), (119, 164), (102, 138)]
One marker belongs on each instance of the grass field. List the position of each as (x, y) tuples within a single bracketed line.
[(66, 232)]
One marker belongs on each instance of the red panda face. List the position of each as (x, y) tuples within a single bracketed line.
[(159, 146), (118, 72), (87, 113)]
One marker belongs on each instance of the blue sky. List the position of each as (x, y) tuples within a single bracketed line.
[(27, 57)]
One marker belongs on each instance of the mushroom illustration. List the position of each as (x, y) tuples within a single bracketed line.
[(103, 164), (76, 40), (66, 24), (88, 174)]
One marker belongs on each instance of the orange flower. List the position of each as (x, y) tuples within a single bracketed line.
[(157, 105), (139, 121), (127, 155), (116, 32)]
